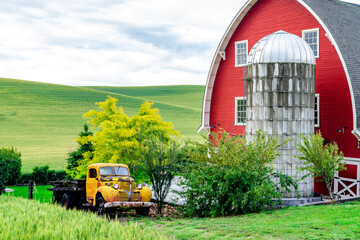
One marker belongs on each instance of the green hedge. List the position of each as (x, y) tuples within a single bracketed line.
[(42, 175)]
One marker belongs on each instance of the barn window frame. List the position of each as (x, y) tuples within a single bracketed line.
[(317, 110), (242, 52), (240, 119), (314, 34)]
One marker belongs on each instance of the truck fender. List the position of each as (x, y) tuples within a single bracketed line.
[(145, 194), (108, 193)]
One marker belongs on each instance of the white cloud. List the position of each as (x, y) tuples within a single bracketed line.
[(352, 1), (131, 42), (112, 42)]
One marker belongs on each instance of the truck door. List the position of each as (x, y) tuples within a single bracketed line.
[(91, 184)]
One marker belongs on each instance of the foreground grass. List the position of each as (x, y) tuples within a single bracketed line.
[(26, 219), (40, 193), (340, 221)]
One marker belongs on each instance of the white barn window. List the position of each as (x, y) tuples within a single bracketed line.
[(311, 36), (240, 111), (317, 111), (241, 53)]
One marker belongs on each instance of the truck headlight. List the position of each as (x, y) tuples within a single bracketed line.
[(116, 185)]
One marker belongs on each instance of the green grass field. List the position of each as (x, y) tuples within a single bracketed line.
[(42, 120)]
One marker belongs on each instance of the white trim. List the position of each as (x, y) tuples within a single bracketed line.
[(350, 159), (205, 121), (222, 55), (350, 182), (329, 35), (317, 36), (236, 55), (356, 133), (236, 112), (331, 40), (317, 95)]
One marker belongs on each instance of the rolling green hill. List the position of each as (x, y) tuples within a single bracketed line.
[(42, 120)]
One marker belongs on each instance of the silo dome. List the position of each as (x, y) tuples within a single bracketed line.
[(281, 47)]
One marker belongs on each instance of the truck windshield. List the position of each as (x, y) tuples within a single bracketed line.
[(121, 171), (114, 171)]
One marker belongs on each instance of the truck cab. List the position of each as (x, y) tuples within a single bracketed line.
[(113, 182), (107, 186)]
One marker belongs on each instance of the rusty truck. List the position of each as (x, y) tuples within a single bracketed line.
[(108, 186)]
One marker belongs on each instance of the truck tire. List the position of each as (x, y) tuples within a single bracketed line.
[(144, 211), (67, 201), (100, 206), (56, 199)]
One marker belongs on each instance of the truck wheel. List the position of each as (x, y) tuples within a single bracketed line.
[(143, 211), (66, 201), (100, 206), (56, 199)]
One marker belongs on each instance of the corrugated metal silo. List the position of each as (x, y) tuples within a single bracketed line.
[(280, 95)]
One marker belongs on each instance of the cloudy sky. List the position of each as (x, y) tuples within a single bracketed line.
[(112, 42)]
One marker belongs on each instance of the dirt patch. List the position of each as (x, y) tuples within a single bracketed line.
[(167, 213)]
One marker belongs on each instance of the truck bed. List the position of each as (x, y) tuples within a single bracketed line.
[(68, 185)]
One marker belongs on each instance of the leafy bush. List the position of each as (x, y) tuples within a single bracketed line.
[(2, 178), (42, 174), (138, 172), (321, 160), (10, 167), (229, 175)]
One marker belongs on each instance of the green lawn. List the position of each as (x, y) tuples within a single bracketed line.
[(42, 120), (313, 222), (341, 221), (40, 193)]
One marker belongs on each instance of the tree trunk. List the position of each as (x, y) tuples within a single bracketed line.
[(329, 186)]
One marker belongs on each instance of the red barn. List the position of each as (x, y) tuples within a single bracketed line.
[(332, 29)]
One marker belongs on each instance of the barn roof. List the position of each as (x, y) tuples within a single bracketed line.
[(341, 22)]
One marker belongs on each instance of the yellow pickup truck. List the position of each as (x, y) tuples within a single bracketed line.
[(108, 186)]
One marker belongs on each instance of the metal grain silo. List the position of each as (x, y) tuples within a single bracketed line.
[(280, 95)]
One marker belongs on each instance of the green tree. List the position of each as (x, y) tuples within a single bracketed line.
[(10, 167), (321, 160), (229, 175), (159, 159), (116, 139), (76, 156)]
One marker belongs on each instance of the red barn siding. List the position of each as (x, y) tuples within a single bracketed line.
[(269, 16)]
